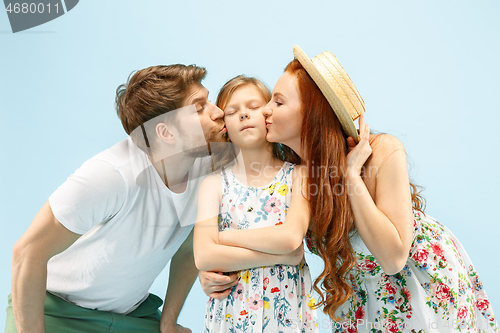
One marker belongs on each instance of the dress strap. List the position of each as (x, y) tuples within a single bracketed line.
[(225, 182)]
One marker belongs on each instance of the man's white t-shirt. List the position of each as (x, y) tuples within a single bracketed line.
[(131, 226)]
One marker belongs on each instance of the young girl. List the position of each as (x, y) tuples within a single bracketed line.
[(274, 291)]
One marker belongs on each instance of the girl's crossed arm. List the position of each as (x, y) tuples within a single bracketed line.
[(210, 255), (282, 238)]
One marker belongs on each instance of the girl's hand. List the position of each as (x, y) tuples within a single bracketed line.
[(359, 153)]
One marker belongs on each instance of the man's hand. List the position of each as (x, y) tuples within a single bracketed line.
[(181, 278), (45, 238), (217, 285), (175, 328)]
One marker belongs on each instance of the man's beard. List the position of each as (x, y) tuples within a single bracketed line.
[(214, 135)]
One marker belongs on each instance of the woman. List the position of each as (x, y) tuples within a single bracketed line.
[(388, 266)]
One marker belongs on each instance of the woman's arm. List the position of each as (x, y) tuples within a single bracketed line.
[(282, 238), (209, 254), (385, 223)]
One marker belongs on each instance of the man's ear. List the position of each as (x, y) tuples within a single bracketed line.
[(164, 134)]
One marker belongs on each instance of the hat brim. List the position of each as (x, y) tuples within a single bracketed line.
[(332, 98)]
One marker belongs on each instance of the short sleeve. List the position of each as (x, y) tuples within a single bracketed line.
[(91, 196)]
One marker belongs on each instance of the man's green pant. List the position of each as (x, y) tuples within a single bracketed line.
[(64, 317)]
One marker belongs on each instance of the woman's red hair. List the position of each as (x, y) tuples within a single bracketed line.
[(326, 149), (325, 146)]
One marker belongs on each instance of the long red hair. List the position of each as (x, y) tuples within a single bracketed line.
[(325, 144), (326, 149)]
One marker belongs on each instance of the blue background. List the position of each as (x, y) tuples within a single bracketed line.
[(427, 70)]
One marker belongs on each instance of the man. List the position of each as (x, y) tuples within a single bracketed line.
[(86, 262)]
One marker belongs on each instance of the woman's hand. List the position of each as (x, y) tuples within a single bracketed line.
[(359, 153)]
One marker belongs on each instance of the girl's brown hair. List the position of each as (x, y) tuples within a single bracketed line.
[(325, 144)]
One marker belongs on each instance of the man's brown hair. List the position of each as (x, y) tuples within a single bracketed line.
[(154, 91)]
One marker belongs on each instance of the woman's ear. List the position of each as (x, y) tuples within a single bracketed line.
[(164, 134)]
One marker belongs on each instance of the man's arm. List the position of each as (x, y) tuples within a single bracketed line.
[(182, 275), (45, 238)]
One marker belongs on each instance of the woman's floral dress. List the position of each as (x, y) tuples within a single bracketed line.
[(267, 299), (437, 291)]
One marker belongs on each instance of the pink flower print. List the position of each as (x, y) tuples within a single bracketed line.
[(462, 312), (421, 255), (366, 265), (255, 302), (351, 327), (407, 293), (442, 292), (483, 304), (390, 289), (232, 209), (238, 292), (437, 249), (360, 313), (266, 282), (290, 295), (240, 206), (391, 326), (272, 205), (303, 290)]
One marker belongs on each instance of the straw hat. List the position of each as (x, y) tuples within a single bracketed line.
[(336, 86)]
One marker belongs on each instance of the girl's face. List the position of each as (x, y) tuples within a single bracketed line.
[(245, 123), (283, 114)]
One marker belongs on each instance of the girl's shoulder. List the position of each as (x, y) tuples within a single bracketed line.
[(213, 179)]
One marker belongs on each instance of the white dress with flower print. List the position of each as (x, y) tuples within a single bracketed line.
[(267, 299), (437, 291)]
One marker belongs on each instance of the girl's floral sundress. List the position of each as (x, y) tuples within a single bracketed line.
[(437, 291), (267, 299)]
